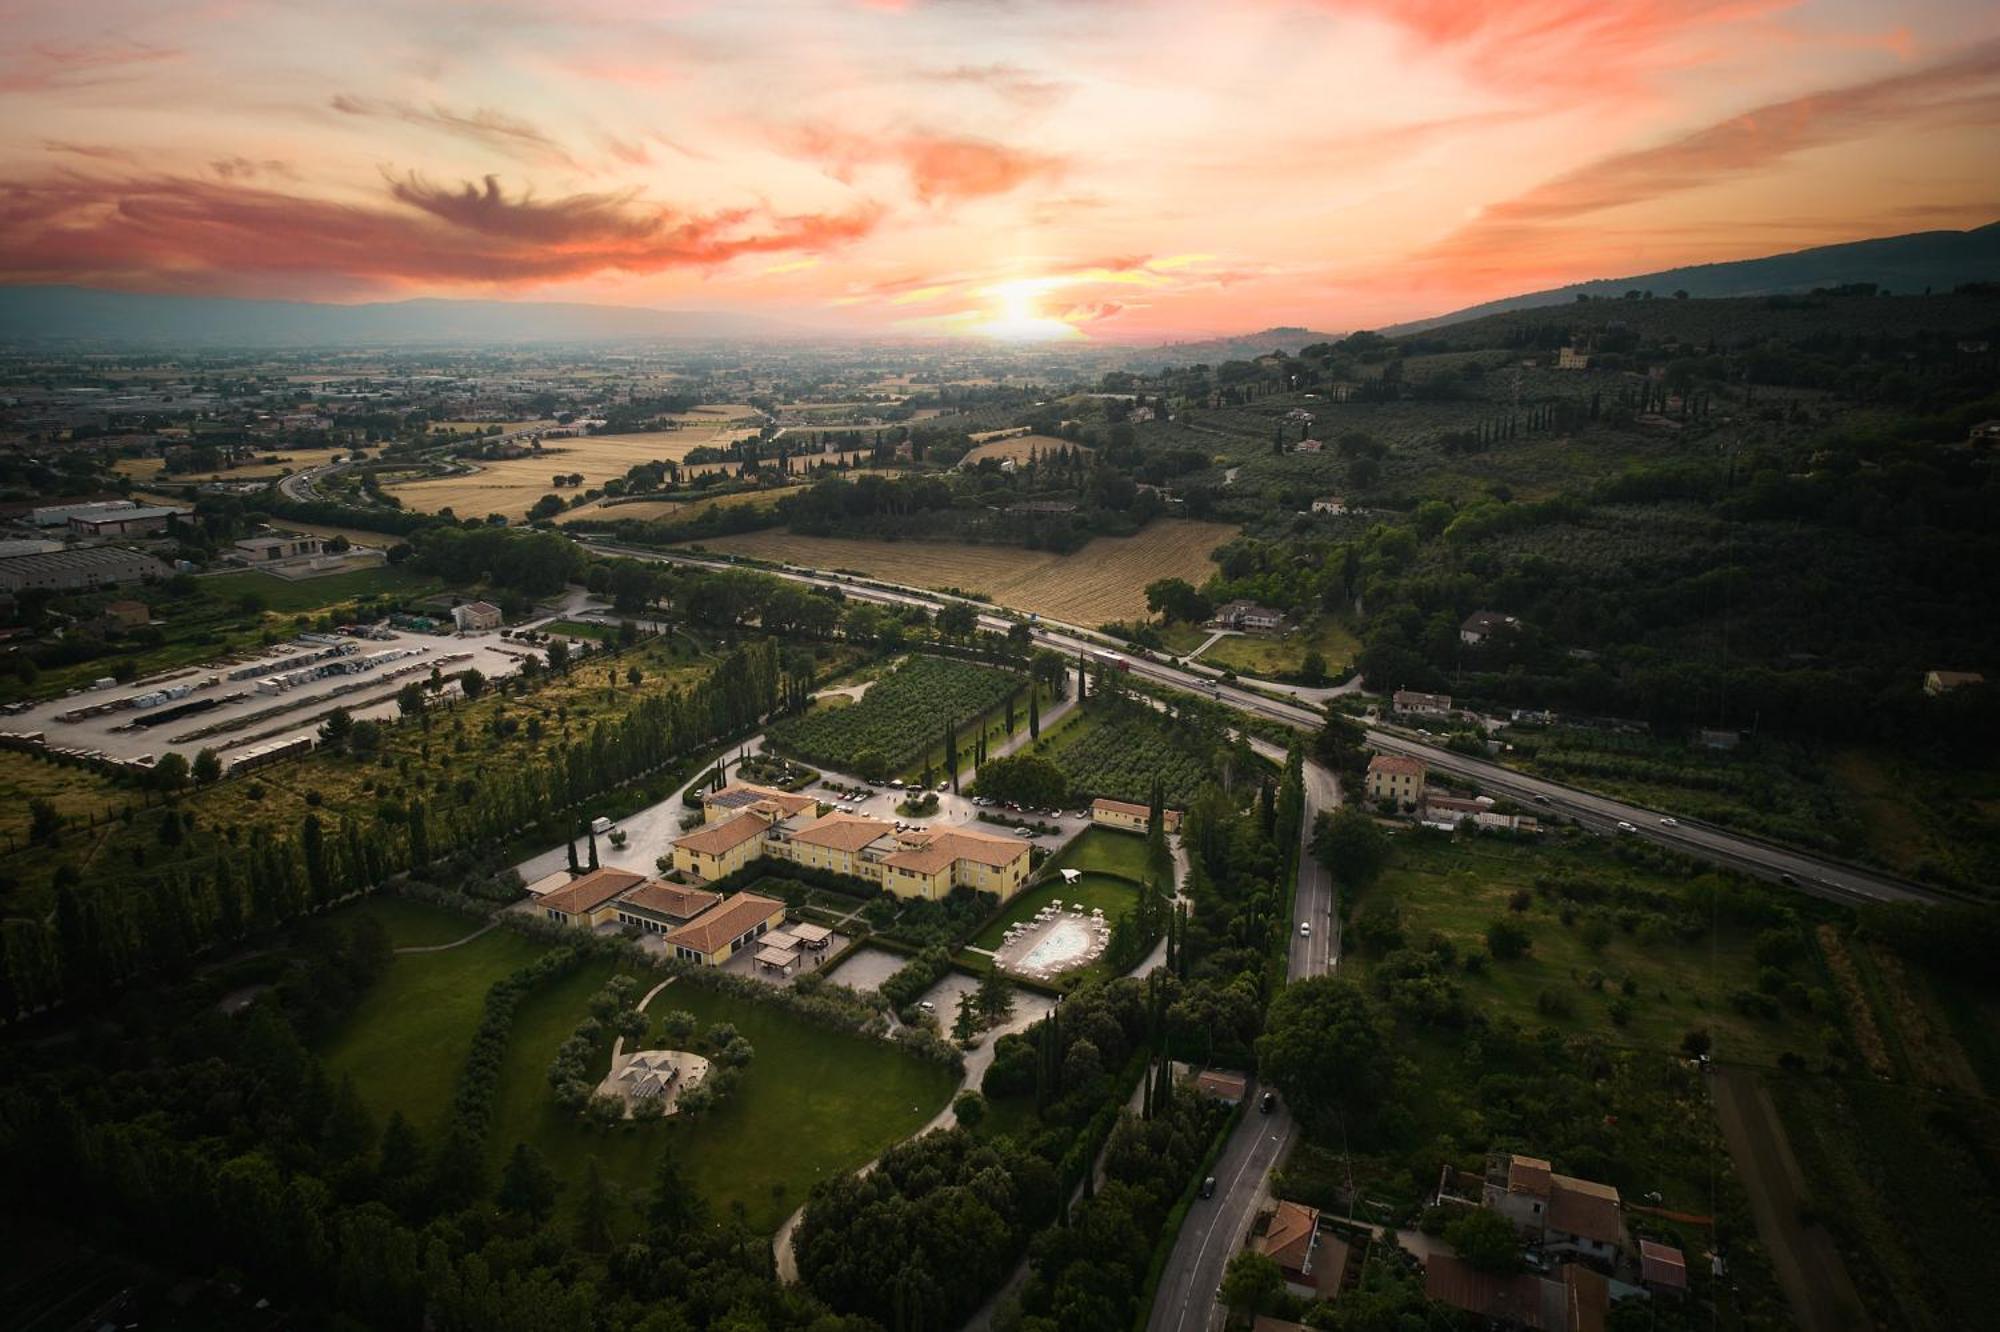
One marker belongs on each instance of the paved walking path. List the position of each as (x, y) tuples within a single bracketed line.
[(618, 1045), (455, 943)]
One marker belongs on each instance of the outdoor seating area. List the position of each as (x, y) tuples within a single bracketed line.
[(1054, 940), (653, 1075)]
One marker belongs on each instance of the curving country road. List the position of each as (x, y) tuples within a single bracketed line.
[(1301, 706)]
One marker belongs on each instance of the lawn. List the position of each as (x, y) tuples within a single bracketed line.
[(602, 633), (1458, 887), (285, 594), (1117, 896), (1107, 849), (414, 924), (813, 1103), (1262, 655), (406, 1040)]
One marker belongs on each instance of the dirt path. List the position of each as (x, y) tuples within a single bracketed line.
[(455, 943), (1809, 1266)]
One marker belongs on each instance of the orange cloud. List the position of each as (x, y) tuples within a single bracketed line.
[(1600, 44), (177, 232), (49, 65), (941, 167), (494, 129), (1961, 91)]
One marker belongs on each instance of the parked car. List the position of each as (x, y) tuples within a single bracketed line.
[(600, 825), (1024, 832)]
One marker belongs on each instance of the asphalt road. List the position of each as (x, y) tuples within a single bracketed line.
[(1299, 705), (1215, 1227)]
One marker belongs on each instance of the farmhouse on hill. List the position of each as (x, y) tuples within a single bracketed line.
[(1482, 625), (1396, 778), (476, 615)]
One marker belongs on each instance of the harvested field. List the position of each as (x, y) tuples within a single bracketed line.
[(511, 486), (1106, 580), (601, 513), (154, 470), (1019, 447)]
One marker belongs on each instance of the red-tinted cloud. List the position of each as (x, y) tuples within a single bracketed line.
[(49, 65), (943, 168), (172, 232), (1568, 43)]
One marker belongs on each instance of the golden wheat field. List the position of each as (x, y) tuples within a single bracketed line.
[(1018, 448), (1106, 580), (144, 470), (511, 486), (592, 513)]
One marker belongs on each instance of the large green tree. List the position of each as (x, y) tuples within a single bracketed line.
[(1326, 1045)]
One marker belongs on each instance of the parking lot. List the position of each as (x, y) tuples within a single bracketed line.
[(228, 726)]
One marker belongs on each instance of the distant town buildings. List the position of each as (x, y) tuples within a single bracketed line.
[(1330, 504), (126, 522), (1572, 358)]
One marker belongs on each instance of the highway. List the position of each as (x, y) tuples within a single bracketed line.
[(1299, 706)]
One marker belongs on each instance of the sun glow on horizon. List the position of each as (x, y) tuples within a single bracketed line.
[(1020, 319)]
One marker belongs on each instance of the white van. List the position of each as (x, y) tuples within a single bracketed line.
[(600, 825)]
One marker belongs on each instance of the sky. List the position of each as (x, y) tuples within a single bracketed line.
[(1024, 169)]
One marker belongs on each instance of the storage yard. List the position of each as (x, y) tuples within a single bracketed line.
[(249, 708)]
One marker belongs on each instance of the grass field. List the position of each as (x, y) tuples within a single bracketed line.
[(1458, 887), (580, 629), (1106, 580), (78, 794), (414, 924), (1106, 850), (1254, 654), (811, 1104), (303, 594), (406, 1040), (1018, 448)]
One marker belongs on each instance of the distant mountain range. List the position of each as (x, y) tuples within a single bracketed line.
[(1937, 260), (42, 315)]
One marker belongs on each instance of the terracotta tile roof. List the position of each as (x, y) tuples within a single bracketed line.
[(1289, 1240), (1587, 1299), (1517, 1298), (928, 852), (843, 832), (1396, 765), (670, 899), (1110, 806), (718, 838), (1222, 1086), (742, 795), (1582, 1208), (1528, 1174), (1662, 1265), (737, 915), (593, 890)]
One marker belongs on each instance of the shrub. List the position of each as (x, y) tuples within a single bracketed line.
[(1508, 940)]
